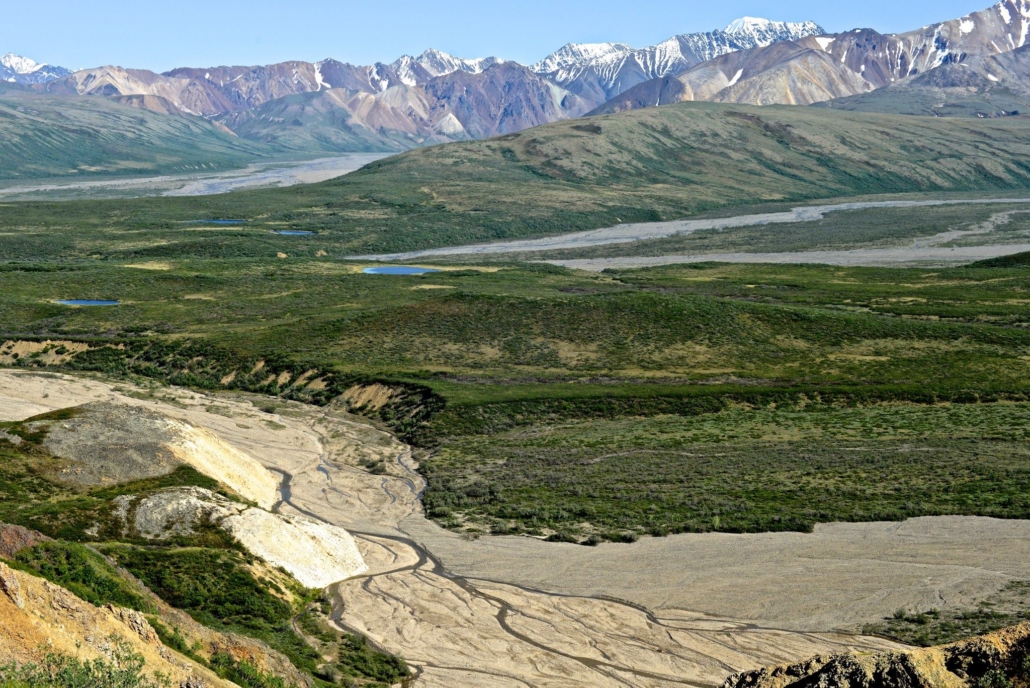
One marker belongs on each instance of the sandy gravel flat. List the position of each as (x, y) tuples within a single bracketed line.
[(627, 233), (867, 257), (258, 175), (683, 610)]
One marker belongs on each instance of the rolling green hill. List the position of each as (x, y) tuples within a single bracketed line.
[(647, 165), (67, 136)]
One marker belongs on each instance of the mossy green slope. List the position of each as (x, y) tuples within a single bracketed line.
[(80, 137)]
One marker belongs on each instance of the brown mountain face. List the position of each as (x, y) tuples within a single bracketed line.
[(992, 86), (817, 69), (376, 106), (504, 99)]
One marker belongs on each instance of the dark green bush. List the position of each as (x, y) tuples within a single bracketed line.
[(84, 573), (59, 671)]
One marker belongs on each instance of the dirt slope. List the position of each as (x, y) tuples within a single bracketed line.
[(37, 616)]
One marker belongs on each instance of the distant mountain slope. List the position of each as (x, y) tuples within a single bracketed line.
[(597, 72), (22, 70), (461, 105), (815, 69), (994, 86), (62, 136)]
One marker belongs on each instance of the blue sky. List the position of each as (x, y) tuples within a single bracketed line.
[(163, 35)]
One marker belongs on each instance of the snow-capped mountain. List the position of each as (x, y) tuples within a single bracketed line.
[(600, 71), (22, 70), (573, 55), (762, 32), (436, 96), (416, 71), (815, 69)]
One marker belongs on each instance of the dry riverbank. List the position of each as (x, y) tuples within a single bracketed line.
[(684, 610)]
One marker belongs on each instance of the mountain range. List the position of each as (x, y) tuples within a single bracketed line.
[(436, 97), (814, 69), (430, 98)]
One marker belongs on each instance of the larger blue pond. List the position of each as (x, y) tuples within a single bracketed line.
[(294, 232), (88, 302), (398, 270)]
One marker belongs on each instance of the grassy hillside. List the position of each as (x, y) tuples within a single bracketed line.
[(935, 102), (655, 164), (67, 136)]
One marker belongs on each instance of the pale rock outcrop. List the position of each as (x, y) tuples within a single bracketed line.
[(316, 554), (9, 586)]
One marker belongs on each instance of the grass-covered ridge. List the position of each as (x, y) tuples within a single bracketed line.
[(646, 165)]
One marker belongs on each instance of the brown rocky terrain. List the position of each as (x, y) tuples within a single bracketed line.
[(37, 617), (995, 659), (14, 539)]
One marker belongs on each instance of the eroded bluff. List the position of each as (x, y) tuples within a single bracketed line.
[(996, 660)]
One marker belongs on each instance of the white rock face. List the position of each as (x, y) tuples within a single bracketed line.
[(218, 459), (316, 554)]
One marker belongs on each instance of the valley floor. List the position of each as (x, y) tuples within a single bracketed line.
[(255, 176), (682, 610), (662, 243)]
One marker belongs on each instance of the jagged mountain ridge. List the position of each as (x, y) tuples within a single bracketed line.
[(16, 69), (819, 68), (412, 101), (600, 71)]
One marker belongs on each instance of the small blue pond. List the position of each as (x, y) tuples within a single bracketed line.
[(217, 222), (88, 302), (398, 270), (294, 232)]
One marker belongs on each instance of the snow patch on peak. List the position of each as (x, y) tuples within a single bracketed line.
[(439, 63), (767, 31), (22, 70), (577, 54), (745, 23), (19, 64), (967, 26)]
